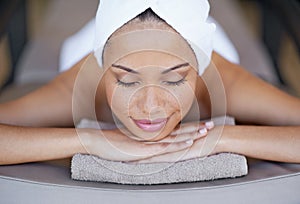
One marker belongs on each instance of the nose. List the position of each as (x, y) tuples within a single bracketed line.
[(151, 100)]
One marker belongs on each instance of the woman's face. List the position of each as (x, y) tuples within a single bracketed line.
[(150, 92)]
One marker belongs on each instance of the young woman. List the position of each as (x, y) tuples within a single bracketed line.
[(158, 86)]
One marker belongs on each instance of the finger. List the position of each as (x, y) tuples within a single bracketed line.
[(147, 150), (193, 152), (191, 127), (185, 136), (162, 148), (187, 128), (142, 150), (170, 157), (167, 158), (209, 125)]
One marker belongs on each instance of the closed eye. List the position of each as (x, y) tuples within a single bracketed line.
[(129, 84), (175, 83)]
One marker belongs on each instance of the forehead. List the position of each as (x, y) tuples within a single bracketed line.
[(154, 42), (149, 59), (136, 24)]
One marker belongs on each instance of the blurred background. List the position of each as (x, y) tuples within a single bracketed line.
[(265, 33)]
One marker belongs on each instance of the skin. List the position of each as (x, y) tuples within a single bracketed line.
[(146, 93), (39, 125)]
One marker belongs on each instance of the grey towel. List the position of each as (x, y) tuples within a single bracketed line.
[(92, 168)]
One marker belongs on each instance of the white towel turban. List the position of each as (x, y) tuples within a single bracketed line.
[(187, 17)]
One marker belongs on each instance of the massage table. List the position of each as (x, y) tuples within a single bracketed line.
[(50, 182)]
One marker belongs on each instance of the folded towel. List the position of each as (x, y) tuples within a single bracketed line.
[(92, 168)]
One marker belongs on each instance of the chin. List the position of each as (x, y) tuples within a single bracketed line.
[(149, 137)]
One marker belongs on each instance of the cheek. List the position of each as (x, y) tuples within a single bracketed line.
[(117, 98), (185, 94), (109, 88), (115, 95), (185, 97)]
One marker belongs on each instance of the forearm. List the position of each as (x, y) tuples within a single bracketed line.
[(263, 142), (25, 144), (50, 105)]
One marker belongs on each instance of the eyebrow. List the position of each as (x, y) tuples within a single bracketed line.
[(164, 72), (124, 68), (176, 67)]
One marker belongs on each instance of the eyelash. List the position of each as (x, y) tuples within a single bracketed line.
[(176, 83), (120, 83), (170, 83)]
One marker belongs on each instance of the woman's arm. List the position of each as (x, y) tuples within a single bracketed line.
[(280, 144), (251, 100), (26, 144), (264, 142), (48, 106)]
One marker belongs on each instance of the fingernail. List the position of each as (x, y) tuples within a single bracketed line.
[(203, 131), (189, 142), (210, 124)]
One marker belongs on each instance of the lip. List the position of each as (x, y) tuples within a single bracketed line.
[(151, 125)]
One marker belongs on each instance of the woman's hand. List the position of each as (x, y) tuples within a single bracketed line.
[(202, 145), (116, 146)]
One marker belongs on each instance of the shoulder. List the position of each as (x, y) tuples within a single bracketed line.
[(69, 76), (228, 71)]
